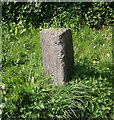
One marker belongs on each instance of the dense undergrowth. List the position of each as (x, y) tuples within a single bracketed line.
[(27, 92), (94, 14)]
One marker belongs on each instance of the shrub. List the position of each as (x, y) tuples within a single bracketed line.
[(91, 14)]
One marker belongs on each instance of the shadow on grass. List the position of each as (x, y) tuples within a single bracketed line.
[(84, 71)]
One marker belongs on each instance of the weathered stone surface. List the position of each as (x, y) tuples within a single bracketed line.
[(57, 52)]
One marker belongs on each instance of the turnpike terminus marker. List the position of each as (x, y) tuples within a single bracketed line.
[(57, 53)]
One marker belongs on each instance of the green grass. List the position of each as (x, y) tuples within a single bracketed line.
[(91, 45), (27, 93)]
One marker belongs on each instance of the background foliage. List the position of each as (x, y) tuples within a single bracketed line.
[(92, 14)]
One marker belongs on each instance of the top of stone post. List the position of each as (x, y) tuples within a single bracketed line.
[(57, 31)]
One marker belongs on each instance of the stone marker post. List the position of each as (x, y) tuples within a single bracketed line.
[(57, 52)]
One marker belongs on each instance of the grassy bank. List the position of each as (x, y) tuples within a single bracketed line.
[(27, 93)]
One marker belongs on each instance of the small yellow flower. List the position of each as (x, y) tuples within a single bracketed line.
[(94, 62)]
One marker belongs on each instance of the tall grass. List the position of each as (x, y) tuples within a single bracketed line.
[(28, 94)]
